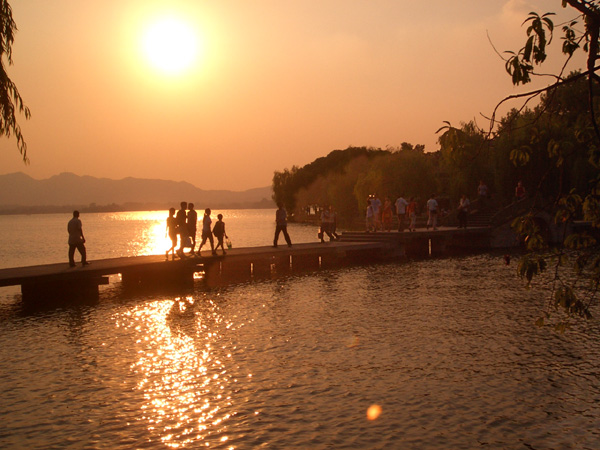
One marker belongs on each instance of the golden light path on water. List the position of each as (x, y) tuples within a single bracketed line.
[(152, 238), (181, 371)]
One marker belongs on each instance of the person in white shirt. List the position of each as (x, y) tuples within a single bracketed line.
[(401, 205), (432, 209)]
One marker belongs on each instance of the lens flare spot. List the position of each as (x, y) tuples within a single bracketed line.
[(373, 412)]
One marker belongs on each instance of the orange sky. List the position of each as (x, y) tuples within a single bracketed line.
[(273, 84)]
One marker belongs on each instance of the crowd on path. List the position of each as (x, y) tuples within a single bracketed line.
[(182, 224), (181, 228), (379, 215)]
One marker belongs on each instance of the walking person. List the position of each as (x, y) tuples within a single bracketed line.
[(206, 232), (219, 232), (326, 224), (281, 225), (386, 215), (411, 212), (172, 232), (370, 218), (376, 204), (401, 205), (76, 240), (463, 211), (432, 209), (182, 229), (333, 222), (192, 224)]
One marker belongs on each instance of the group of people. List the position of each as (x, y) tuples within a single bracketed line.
[(380, 216), (328, 224), (183, 227)]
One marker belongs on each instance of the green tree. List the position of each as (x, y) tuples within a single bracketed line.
[(10, 99)]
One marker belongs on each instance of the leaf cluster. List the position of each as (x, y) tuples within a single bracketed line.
[(10, 98)]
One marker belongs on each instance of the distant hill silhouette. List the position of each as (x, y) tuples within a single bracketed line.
[(21, 193)]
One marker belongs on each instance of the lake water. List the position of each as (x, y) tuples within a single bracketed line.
[(446, 351)]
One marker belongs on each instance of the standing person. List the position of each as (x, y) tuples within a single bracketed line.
[(326, 224), (401, 205), (519, 191), (432, 210), (333, 222), (482, 193), (219, 232), (411, 211), (281, 225), (76, 240), (172, 232), (370, 219), (376, 204), (206, 233), (192, 223), (463, 211), (386, 215), (182, 229)]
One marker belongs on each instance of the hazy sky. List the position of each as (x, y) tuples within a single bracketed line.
[(268, 85)]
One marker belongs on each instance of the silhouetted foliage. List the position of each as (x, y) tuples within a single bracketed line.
[(558, 144), (10, 99)]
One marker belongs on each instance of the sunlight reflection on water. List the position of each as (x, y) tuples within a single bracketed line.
[(441, 353), (185, 381)]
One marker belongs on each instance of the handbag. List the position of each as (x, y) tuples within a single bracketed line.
[(228, 243)]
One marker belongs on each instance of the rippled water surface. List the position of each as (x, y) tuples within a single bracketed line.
[(446, 348)]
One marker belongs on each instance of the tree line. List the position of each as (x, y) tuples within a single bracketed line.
[(545, 147)]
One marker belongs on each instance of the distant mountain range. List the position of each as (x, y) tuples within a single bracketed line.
[(19, 193)]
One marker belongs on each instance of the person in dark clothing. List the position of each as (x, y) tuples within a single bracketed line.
[(219, 232), (206, 232), (172, 233), (182, 229), (281, 225), (192, 224), (76, 240)]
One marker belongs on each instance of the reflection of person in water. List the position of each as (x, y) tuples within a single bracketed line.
[(76, 240)]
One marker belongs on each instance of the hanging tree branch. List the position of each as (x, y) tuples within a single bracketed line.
[(10, 99)]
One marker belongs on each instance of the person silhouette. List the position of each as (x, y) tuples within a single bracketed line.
[(219, 232), (192, 222), (182, 229), (172, 232), (206, 232), (76, 240), (281, 225)]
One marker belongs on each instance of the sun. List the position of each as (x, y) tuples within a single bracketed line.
[(171, 45)]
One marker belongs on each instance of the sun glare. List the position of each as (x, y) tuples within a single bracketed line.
[(171, 45)]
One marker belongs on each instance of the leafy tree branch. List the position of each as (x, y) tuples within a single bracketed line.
[(10, 98)]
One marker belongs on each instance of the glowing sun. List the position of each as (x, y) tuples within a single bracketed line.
[(171, 45)]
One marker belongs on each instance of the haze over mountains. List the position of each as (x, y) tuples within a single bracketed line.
[(21, 193)]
